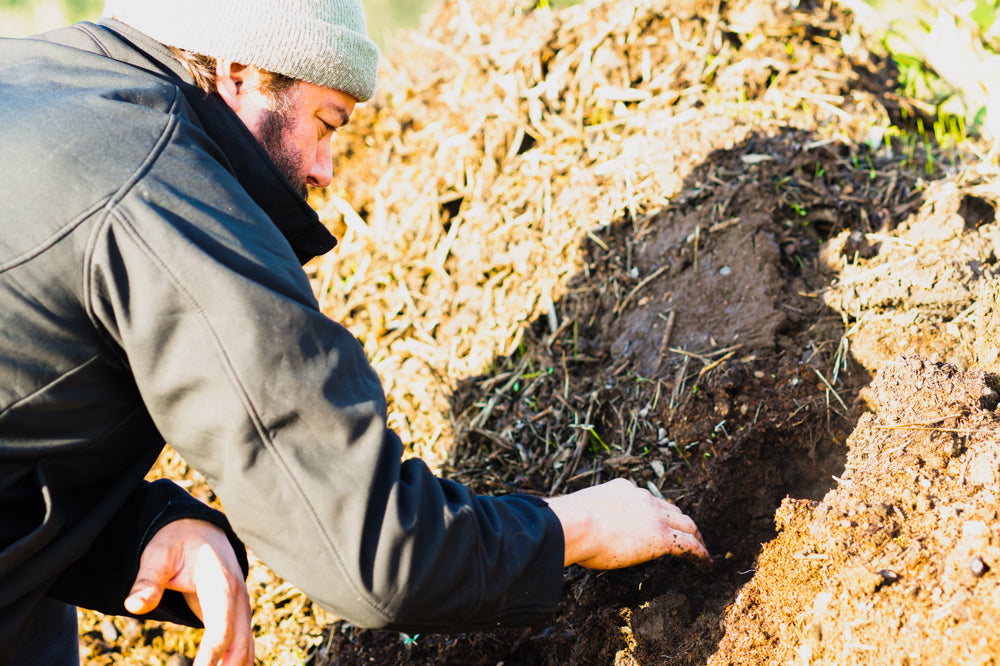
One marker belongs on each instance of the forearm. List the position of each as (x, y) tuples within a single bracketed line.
[(279, 409), (432, 556)]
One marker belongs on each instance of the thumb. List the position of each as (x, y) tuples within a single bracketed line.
[(146, 592)]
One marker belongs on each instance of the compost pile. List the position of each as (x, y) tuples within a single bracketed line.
[(701, 245)]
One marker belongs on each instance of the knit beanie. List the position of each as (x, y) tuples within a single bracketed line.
[(321, 41)]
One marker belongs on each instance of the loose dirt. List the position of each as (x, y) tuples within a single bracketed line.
[(894, 565), (696, 244)]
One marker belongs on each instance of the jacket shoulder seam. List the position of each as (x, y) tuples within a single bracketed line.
[(93, 37), (107, 201), (111, 203)]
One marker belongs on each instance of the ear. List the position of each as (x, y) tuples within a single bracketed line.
[(234, 81)]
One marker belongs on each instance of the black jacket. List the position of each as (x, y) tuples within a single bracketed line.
[(150, 290)]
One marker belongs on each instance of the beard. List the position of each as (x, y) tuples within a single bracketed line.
[(273, 128)]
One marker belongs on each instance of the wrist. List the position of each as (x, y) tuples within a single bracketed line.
[(577, 527)]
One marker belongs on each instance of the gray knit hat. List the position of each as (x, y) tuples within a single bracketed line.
[(321, 41)]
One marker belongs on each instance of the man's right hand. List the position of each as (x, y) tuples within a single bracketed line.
[(617, 524), (195, 557)]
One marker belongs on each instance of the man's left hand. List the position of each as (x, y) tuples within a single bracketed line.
[(195, 557)]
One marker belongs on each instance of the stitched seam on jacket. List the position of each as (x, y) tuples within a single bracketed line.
[(253, 416), (20, 401), (52, 240), (97, 42), (73, 224), (111, 202)]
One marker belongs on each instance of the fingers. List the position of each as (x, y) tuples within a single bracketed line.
[(230, 644), (241, 648), (144, 597), (686, 543), (675, 517), (678, 520), (154, 572), (685, 538), (195, 558), (223, 599)]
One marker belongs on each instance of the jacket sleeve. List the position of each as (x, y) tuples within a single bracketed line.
[(102, 579), (277, 406)]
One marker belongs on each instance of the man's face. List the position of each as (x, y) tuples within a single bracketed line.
[(296, 127)]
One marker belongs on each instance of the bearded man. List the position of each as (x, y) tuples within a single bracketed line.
[(153, 223)]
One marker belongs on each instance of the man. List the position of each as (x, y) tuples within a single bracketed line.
[(151, 236)]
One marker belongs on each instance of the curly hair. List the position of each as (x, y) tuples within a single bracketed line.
[(202, 68)]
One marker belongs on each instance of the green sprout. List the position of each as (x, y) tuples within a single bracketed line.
[(593, 433), (681, 453)]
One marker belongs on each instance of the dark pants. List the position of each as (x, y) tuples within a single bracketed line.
[(53, 638)]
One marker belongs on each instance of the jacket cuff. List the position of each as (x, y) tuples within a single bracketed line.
[(173, 607), (536, 598)]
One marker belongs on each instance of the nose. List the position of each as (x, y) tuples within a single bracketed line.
[(321, 172)]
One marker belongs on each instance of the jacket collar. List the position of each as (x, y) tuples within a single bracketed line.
[(248, 160)]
